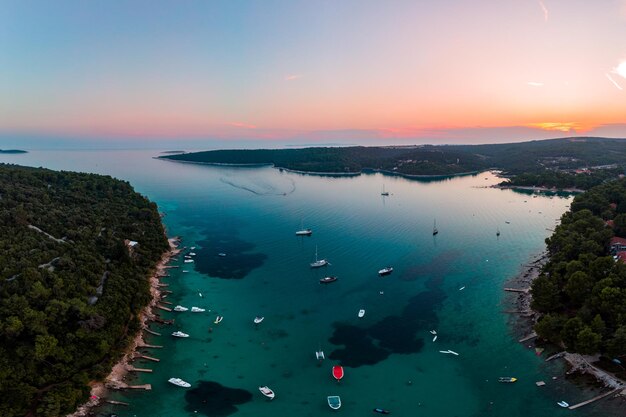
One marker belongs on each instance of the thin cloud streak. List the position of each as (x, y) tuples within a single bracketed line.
[(619, 87), (545, 10), (241, 124), (534, 84), (292, 77)]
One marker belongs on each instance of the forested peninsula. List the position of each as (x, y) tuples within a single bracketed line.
[(581, 292), (76, 251), (560, 163)]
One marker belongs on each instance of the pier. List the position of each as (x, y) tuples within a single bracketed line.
[(522, 290), (150, 358), (149, 346), (160, 307), (131, 368), (530, 336), (599, 397), (152, 332), (117, 402)]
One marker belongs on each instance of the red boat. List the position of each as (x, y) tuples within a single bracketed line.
[(338, 372)]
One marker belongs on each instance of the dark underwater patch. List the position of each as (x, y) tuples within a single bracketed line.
[(237, 262), (215, 400), (392, 334)]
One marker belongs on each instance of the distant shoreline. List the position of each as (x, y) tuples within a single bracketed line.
[(12, 151), (538, 189), (363, 171)]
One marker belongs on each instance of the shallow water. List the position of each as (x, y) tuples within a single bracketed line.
[(389, 357)]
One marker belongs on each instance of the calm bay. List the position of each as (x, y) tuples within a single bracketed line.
[(452, 283)]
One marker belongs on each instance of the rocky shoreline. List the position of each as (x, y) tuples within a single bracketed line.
[(99, 389), (527, 317)]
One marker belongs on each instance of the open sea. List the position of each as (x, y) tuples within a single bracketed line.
[(451, 283)]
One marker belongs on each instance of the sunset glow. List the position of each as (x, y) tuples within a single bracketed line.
[(346, 72)]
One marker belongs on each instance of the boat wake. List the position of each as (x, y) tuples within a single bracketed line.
[(258, 187)]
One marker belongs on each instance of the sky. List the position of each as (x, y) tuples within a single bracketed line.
[(278, 73)]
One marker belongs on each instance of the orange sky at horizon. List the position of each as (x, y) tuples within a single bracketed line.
[(286, 70)]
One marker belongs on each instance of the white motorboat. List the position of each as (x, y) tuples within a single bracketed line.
[(193, 248), (188, 261), (385, 271), (267, 392), (433, 332), (361, 313), (318, 262), (304, 232), (258, 319), (192, 253), (180, 308), (218, 319), (563, 404), (435, 338), (319, 355), (179, 334), (221, 254), (179, 382), (197, 310), (334, 402)]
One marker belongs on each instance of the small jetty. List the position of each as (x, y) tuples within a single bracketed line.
[(527, 338), (122, 385), (556, 356), (522, 290), (150, 358), (149, 346), (131, 368), (599, 397), (117, 402), (152, 332)]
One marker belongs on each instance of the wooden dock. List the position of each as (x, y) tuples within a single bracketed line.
[(527, 338), (149, 346), (160, 307), (167, 302), (131, 368), (599, 397), (152, 332), (556, 356), (522, 290), (117, 402), (147, 387), (150, 358)]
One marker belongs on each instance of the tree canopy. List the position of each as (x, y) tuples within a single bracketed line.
[(582, 289), (70, 288)]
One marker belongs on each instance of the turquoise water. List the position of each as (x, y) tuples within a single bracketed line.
[(389, 357)]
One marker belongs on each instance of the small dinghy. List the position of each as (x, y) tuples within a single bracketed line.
[(180, 334), (188, 261), (563, 404), (197, 310), (221, 254), (435, 338), (385, 271), (453, 352), (507, 379), (258, 319), (304, 232), (327, 280), (267, 392), (338, 372), (179, 382), (180, 308), (192, 254), (319, 355), (433, 332), (334, 402), (218, 319), (200, 294), (381, 411), (361, 313)]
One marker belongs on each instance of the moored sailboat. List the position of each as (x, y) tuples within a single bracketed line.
[(318, 262)]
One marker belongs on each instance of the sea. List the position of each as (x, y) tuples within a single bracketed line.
[(450, 283)]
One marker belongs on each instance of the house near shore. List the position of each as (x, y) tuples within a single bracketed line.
[(620, 256), (131, 245), (617, 244)]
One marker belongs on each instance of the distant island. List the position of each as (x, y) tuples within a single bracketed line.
[(554, 163), (77, 252), (12, 151)]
